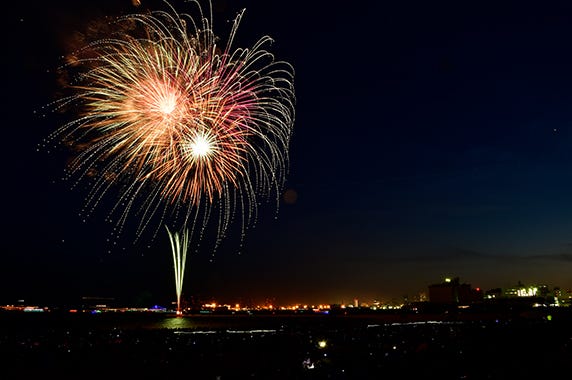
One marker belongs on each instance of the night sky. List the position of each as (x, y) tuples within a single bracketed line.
[(431, 139)]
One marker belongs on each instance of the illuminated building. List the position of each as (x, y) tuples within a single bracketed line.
[(527, 291)]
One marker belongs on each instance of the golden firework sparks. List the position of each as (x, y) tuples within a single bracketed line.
[(172, 120)]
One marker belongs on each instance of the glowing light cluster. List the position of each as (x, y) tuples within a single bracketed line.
[(177, 124)]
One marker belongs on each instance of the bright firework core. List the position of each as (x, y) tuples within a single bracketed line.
[(167, 104), (200, 146)]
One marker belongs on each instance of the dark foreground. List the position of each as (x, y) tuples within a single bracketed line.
[(284, 347)]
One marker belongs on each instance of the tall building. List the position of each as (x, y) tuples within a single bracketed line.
[(452, 291)]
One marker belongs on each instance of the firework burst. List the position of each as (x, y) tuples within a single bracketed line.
[(176, 126)]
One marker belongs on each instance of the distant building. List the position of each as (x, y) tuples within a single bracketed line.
[(527, 291), (494, 293), (451, 291), (97, 303), (536, 294)]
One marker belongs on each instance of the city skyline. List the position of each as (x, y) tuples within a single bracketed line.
[(430, 140), (441, 292)]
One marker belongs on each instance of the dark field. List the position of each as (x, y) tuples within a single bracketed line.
[(131, 346)]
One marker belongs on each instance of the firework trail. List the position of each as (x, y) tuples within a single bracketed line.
[(174, 127), (179, 245)]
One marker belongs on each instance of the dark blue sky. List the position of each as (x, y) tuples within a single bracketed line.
[(431, 139)]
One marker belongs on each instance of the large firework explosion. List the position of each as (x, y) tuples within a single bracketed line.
[(175, 128)]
